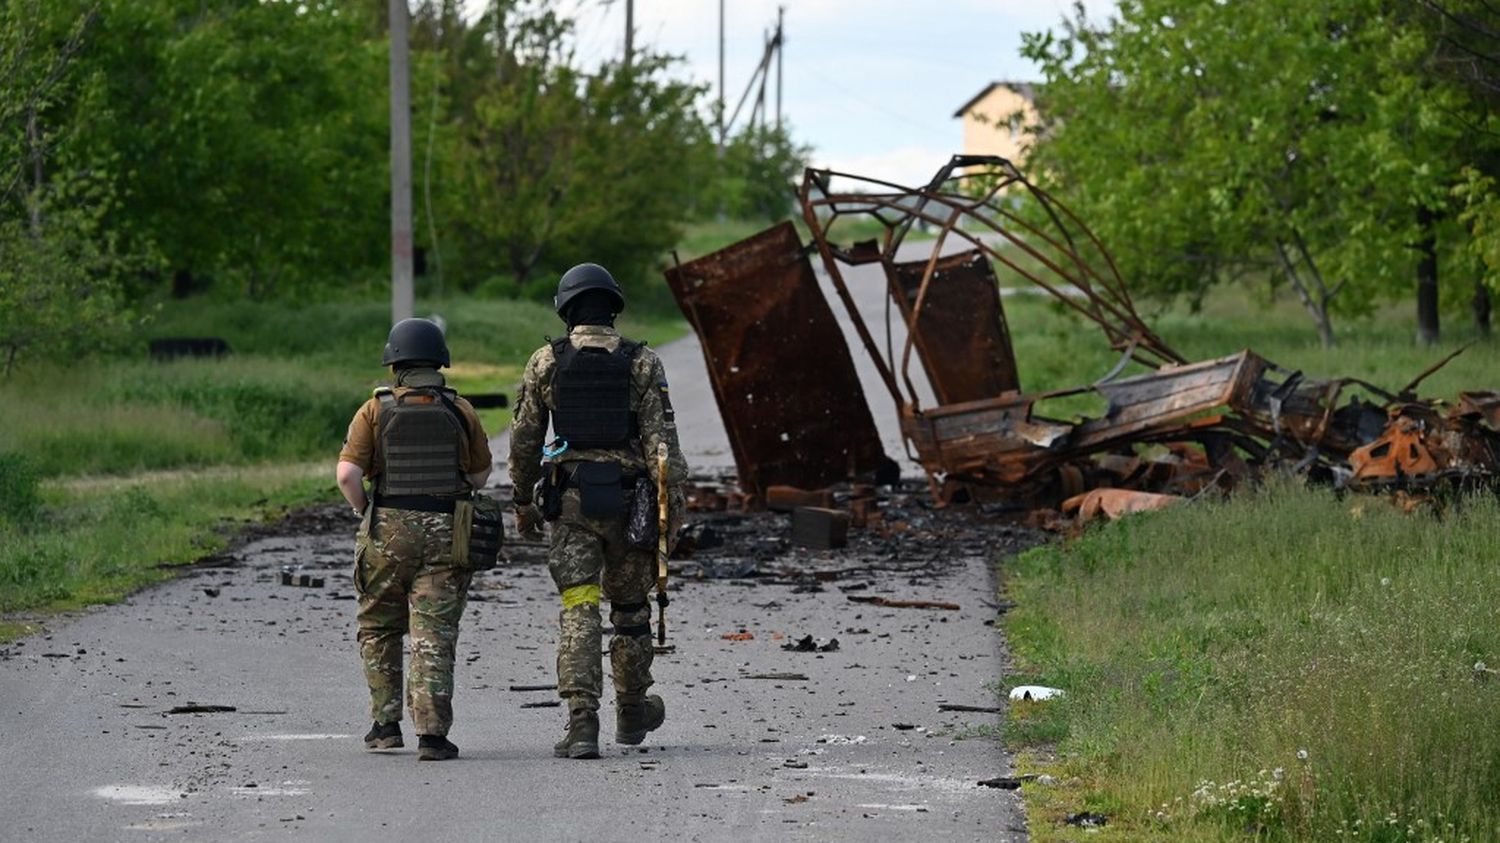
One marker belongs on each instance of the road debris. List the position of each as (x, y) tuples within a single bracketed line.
[(528, 688), (807, 644), (1113, 503), (977, 709), (291, 577), (542, 704), (1169, 426), (1007, 782), (1086, 819), (1034, 692), (201, 708), (904, 604), (742, 635), (820, 528), (780, 677)]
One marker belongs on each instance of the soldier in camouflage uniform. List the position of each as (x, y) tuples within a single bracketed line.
[(423, 448), (607, 400)]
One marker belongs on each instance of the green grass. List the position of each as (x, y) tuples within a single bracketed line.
[(97, 540), (287, 392), (1287, 665)]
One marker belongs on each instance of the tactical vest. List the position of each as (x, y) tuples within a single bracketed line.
[(422, 440), (591, 386)]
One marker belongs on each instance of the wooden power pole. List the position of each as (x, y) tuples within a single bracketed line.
[(401, 268)]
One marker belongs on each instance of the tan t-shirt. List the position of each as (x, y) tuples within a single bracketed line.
[(359, 442)]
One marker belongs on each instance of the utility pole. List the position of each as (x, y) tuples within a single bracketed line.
[(721, 78), (629, 31), (780, 46), (401, 271)]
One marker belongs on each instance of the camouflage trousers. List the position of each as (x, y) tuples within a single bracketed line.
[(407, 583), (589, 561)]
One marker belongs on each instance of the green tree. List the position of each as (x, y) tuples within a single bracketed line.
[(248, 136), (59, 272), (1210, 142), (552, 164), (760, 172)]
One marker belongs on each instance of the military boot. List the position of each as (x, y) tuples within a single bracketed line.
[(634, 717), (582, 739), (435, 748), (384, 736)]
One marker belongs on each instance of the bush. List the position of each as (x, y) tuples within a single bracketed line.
[(19, 500)]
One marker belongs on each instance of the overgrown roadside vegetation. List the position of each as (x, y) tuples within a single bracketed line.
[(1206, 649), (112, 471), (1287, 665)]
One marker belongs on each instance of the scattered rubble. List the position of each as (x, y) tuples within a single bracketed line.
[(798, 421), (808, 644)]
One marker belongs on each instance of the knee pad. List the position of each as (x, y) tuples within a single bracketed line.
[(635, 630)]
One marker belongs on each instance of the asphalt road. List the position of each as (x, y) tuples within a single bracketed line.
[(856, 750)]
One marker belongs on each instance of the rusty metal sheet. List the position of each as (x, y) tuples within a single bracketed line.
[(1169, 397), (960, 334), (999, 440), (781, 372)]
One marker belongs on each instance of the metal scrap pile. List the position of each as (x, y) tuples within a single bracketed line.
[(796, 413)]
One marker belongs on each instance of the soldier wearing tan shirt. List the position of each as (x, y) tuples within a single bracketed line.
[(423, 449)]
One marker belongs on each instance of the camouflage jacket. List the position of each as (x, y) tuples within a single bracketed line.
[(649, 399)]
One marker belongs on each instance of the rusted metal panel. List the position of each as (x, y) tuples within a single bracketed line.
[(1168, 397), (1000, 441), (961, 334), (781, 372)]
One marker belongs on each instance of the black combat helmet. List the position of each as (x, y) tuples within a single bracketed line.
[(581, 279), (414, 340)]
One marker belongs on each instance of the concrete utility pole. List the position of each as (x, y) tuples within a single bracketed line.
[(780, 46), (401, 274), (721, 78), (629, 30)]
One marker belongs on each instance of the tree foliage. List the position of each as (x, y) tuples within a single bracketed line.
[(1303, 143), (155, 147), (553, 165), (59, 271)]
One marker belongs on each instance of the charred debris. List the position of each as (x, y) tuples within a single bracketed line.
[(799, 421)]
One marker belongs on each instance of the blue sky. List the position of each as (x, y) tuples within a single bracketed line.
[(871, 84)]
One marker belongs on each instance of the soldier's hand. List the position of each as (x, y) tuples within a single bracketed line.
[(529, 521)]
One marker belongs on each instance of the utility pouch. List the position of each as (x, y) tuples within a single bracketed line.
[(599, 492), (477, 532), (549, 492), (641, 528), (366, 519)]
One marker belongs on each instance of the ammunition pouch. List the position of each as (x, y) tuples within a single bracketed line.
[(478, 532), (600, 494)]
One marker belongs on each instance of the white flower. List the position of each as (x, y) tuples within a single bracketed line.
[(1301, 755)]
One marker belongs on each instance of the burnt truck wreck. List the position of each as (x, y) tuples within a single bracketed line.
[(796, 413)]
